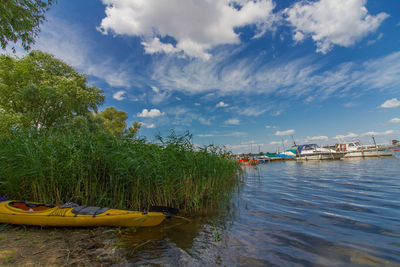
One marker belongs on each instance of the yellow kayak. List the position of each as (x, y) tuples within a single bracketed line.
[(30, 213)]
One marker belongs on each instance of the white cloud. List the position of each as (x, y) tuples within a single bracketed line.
[(317, 138), (391, 103), (150, 114), (205, 121), (350, 104), (232, 122), (196, 26), (158, 96), (155, 46), (395, 120), (197, 104), (276, 113), (221, 105), (275, 143), (155, 89), (252, 111), (288, 132), (77, 52), (299, 77), (332, 22), (148, 125), (348, 135), (371, 42), (119, 95), (184, 116), (388, 132), (204, 135)]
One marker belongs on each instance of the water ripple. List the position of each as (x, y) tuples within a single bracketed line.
[(328, 213)]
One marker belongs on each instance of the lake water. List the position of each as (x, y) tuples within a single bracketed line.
[(322, 213)]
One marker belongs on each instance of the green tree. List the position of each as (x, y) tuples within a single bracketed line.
[(43, 92), (8, 122), (20, 20), (113, 120), (134, 129)]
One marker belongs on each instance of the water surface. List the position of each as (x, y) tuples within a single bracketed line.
[(322, 213)]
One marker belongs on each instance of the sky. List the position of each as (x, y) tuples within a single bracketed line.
[(245, 74)]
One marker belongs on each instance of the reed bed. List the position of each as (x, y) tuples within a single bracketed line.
[(101, 170)]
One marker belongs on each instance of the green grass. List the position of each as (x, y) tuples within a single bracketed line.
[(98, 169)]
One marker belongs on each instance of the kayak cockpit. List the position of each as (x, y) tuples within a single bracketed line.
[(28, 206)]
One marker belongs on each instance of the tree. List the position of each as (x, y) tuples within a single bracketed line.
[(134, 129), (20, 20), (43, 91), (113, 120), (8, 122)]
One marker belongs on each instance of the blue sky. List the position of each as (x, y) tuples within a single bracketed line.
[(244, 74)]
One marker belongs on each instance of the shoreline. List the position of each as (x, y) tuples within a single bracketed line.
[(61, 246)]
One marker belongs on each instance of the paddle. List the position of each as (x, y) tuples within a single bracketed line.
[(168, 211)]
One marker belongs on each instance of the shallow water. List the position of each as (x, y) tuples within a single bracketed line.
[(323, 213)]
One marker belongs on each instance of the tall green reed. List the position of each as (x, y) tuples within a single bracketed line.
[(98, 169)]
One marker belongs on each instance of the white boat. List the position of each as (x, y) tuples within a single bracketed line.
[(314, 152), (356, 149)]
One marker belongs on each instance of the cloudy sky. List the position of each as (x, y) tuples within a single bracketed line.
[(247, 74)]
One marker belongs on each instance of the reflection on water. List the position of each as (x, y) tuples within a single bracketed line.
[(324, 213)]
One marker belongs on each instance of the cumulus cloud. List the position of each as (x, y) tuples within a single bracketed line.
[(222, 105), (287, 132), (156, 46), (148, 125), (150, 114), (232, 122), (119, 95), (391, 103), (196, 26), (395, 120), (332, 22)]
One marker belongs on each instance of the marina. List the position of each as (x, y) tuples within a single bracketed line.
[(338, 151), (290, 213)]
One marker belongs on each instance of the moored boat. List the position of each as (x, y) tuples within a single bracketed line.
[(30, 213), (269, 157), (314, 152), (356, 149), (246, 161)]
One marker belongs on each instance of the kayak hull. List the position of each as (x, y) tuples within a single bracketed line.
[(57, 216)]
